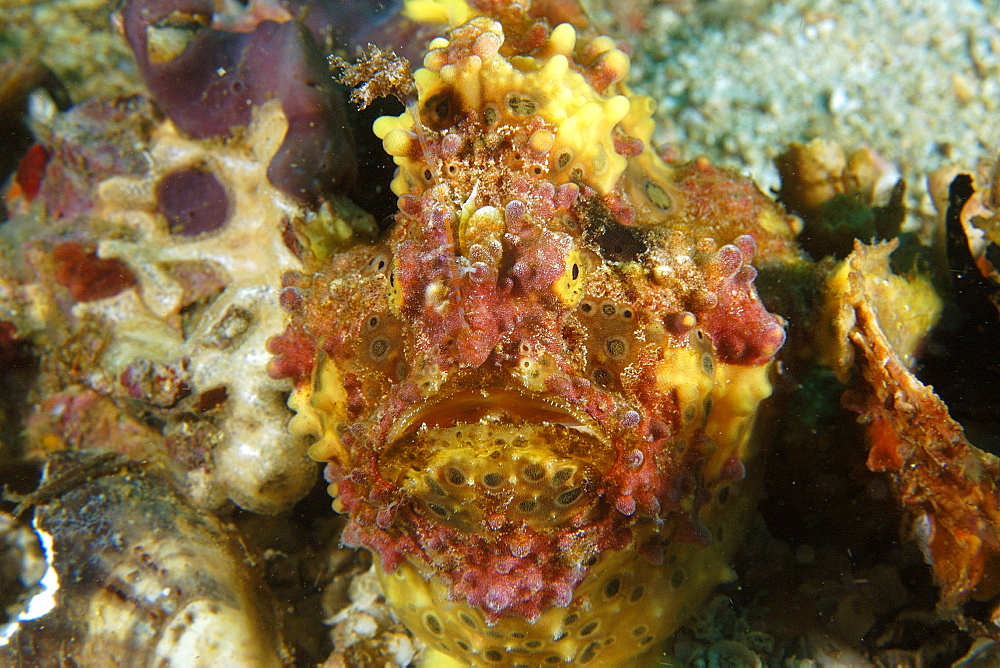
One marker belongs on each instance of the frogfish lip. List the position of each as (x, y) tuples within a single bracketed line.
[(473, 405), (483, 461)]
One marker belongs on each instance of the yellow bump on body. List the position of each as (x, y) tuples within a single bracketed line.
[(616, 108), (554, 71), (449, 72), (589, 133), (563, 39), (467, 82), (639, 121), (487, 45), (305, 422), (441, 12), (401, 185), (617, 62), (426, 78), (392, 130), (589, 114), (469, 208), (436, 58), (683, 371), (398, 143), (601, 44), (541, 140), (385, 124)]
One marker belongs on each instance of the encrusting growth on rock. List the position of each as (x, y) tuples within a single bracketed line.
[(376, 73)]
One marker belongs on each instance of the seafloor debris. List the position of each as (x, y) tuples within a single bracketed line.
[(18, 80), (907, 305), (135, 573), (947, 486)]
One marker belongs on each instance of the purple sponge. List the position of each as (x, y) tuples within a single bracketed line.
[(208, 80)]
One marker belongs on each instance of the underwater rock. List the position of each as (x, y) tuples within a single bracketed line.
[(152, 280), (840, 197)]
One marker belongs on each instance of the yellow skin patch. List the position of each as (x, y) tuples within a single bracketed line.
[(579, 146)]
